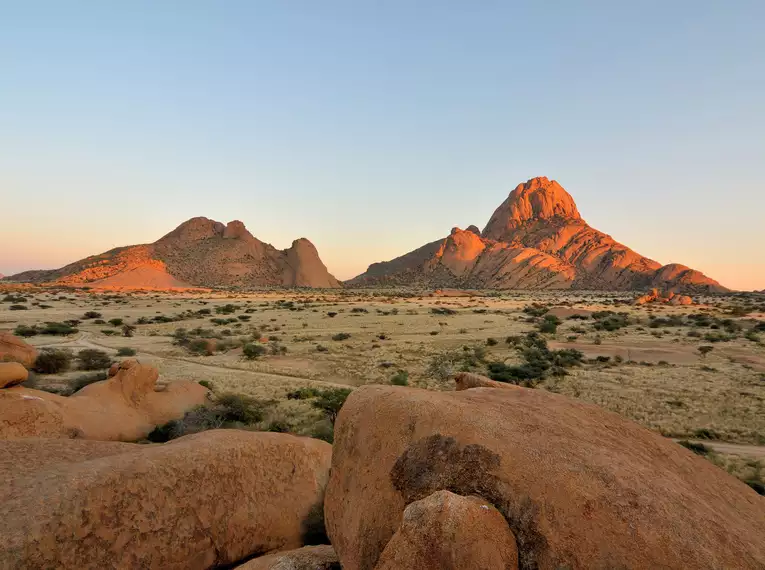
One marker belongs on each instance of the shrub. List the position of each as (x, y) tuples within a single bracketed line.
[(549, 325), (341, 336), (491, 342), (125, 351), (18, 308), (303, 393), (200, 346), (239, 408), (252, 351), (52, 361), (93, 359), (535, 310), (207, 384), (400, 378), (226, 309), (331, 314), (358, 310), (115, 322), (91, 315), (697, 448), (25, 331), (80, 382), (443, 311)]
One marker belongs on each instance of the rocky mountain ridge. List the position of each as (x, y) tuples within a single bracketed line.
[(535, 239), (198, 253)]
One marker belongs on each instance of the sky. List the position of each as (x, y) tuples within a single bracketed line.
[(373, 127)]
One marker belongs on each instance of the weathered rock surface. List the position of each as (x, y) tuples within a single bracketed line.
[(124, 407), (445, 531), (197, 502), (199, 252), (321, 557), (536, 239), (655, 296), (14, 349), (12, 373), (580, 487)]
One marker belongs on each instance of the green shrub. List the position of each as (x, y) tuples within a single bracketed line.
[(303, 393), (252, 351), (93, 359), (341, 336), (115, 322), (91, 315), (400, 378), (226, 309), (239, 408), (549, 325), (60, 329), (207, 384), (52, 361), (126, 351), (25, 331)]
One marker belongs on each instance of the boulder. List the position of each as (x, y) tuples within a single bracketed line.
[(200, 501), (13, 349), (307, 558), (681, 300), (125, 407), (580, 487), (12, 373), (445, 531)]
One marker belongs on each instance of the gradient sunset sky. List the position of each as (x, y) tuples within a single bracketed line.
[(373, 127)]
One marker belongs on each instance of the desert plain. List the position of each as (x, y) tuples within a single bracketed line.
[(641, 361)]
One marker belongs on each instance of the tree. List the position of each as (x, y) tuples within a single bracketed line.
[(704, 350), (330, 401)]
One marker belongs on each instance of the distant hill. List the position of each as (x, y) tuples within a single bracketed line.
[(198, 253), (536, 239)]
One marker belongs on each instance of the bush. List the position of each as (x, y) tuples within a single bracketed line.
[(239, 408), (25, 331), (332, 314), (200, 347), (93, 359), (92, 315), (80, 382), (549, 325), (61, 329), (443, 311), (226, 309), (491, 342), (341, 336), (400, 378), (207, 384), (115, 322), (18, 308), (126, 351), (252, 351), (52, 361), (303, 393)]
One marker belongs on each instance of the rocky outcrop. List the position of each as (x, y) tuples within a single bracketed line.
[(580, 487), (13, 349), (12, 373), (201, 501), (445, 531), (307, 558), (669, 298), (198, 253), (536, 239), (467, 380), (124, 407)]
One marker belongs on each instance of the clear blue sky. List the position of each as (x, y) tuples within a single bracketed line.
[(373, 127)]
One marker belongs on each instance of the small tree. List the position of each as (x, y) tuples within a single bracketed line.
[(704, 350), (252, 351), (330, 401)]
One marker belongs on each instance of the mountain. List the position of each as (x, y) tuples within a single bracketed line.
[(200, 252), (536, 239)]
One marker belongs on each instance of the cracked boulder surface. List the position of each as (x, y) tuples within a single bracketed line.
[(580, 487), (201, 501)]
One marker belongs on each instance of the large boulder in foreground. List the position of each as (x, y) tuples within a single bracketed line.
[(445, 531), (321, 557), (197, 502), (13, 349), (580, 487), (125, 407)]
